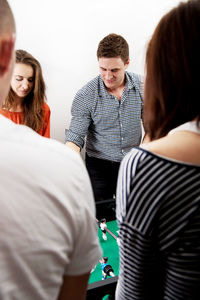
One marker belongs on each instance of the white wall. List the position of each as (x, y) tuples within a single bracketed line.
[(63, 35)]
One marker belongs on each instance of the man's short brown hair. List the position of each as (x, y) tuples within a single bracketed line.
[(113, 45)]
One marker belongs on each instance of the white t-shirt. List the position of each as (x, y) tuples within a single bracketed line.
[(188, 126), (47, 215)]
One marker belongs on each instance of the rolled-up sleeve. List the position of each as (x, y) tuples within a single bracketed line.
[(81, 119)]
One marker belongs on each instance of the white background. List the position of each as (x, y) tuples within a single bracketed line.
[(63, 35)]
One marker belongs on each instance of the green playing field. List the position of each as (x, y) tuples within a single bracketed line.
[(110, 249)]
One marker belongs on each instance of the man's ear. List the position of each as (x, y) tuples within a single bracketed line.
[(127, 63), (6, 52)]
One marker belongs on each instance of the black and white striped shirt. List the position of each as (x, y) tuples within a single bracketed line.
[(158, 210), (112, 127)]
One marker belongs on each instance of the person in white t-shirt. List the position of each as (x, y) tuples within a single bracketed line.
[(48, 240)]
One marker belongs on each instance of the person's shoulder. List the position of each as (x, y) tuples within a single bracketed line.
[(23, 137), (181, 146), (4, 112), (134, 156), (90, 87), (135, 78), (9, 114), (137, 81), (49, 158), (46, 106), (137, 151), (49, 148)]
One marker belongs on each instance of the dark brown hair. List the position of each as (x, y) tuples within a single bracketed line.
[(171, 95), (113, 45), (33, 103)]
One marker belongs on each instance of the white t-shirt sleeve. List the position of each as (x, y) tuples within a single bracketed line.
[(86, 250)]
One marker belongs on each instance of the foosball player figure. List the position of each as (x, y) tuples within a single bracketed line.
[(103, 226), (107, 270)]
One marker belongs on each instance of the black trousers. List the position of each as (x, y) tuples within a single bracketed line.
[(103, 175)]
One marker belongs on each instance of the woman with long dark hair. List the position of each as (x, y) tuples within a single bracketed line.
[(158, 192), (25, 103)]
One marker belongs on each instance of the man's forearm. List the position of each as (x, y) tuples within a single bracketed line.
[(73, 146)]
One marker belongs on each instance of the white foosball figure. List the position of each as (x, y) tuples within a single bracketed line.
[(103, 226)]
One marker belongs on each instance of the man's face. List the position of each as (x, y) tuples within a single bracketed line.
[(112, 71)]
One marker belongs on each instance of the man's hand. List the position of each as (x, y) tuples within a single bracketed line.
[(73, 146)]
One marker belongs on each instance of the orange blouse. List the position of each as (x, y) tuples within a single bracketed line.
[(17, 117)]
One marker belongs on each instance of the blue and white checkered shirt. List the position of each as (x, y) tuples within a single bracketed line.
[(112, 127)]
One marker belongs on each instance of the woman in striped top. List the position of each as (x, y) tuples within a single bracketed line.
[(158, 191)]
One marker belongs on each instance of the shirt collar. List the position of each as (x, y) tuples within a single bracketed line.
[(128, 86), (102, 91), (129, 83)]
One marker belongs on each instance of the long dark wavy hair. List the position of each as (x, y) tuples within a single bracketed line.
[(32, 104), (171, 95)]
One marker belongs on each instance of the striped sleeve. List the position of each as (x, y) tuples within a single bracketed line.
[(127, 168)]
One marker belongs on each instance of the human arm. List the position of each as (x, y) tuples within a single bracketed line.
[(85, 249), (73, 146), (80, 122), (145, 135), (74, 287), (135, 247), (139, 81)]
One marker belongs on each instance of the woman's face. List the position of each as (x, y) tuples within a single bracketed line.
[(22, 80)]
